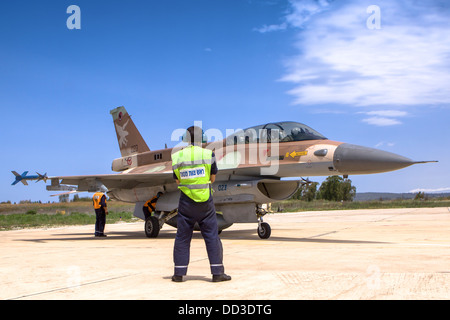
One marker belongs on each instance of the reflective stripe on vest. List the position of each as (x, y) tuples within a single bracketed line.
[(194, 186), (192, 166), (192, 163)]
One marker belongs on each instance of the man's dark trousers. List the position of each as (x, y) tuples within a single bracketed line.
[(204, 213), (100, 221)]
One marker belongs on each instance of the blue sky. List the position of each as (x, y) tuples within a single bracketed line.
[(231, 64)]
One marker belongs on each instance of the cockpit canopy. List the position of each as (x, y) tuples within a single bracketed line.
[(275, 132)]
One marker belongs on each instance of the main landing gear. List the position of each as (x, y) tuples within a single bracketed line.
[(154, 224), (151, 227), (264, 229)]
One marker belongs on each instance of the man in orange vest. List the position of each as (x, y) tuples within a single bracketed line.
[(150, 205), (101, 210)]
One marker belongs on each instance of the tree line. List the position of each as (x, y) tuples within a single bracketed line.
[(334, 188)]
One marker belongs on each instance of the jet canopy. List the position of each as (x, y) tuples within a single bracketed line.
[(286, 131)]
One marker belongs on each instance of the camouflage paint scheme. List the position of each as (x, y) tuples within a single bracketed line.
[(250, 168)]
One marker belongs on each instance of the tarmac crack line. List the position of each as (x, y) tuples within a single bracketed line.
[(74, 286)]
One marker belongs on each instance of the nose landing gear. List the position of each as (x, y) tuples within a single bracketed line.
[(264, 229)]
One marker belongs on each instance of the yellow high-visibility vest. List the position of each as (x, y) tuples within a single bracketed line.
[(192, 166)]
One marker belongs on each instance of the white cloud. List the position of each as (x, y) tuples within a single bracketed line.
[(342, 62), (387, 113), (384, 117), (381, 122), (270, 28), (383, 143), (302, 11), (437, 190), (299, 14)]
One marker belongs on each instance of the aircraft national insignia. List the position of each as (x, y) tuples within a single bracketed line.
[(122, 134)]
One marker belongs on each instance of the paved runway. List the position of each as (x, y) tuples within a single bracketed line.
[(359, 254)]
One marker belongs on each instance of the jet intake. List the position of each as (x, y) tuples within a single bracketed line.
[(277, 189)]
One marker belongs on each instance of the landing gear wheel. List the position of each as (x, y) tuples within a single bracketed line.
[(264, 230), (151, 227)]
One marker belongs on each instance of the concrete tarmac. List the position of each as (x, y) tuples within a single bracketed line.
[(358, 254)]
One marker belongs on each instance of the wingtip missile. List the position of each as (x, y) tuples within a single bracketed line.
[(24, 177)]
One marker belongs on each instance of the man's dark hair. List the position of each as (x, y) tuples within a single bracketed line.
[(194, 134)]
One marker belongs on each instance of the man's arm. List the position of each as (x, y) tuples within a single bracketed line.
[(214, 168), (103, 204)]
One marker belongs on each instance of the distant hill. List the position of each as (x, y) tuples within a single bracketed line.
[(368, 196)]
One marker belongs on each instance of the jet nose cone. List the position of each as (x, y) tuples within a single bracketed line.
[(353, 159)]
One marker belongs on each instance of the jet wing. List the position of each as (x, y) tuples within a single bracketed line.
[(111, 181), (91, 183)]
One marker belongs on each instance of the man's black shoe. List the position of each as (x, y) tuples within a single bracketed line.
[(177, 278), (221, 277)]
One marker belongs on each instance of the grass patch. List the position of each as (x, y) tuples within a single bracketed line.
[(320, 205), (26, 220), (17, 216)]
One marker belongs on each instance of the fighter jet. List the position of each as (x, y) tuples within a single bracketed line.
[(252, 164), (23, 177)]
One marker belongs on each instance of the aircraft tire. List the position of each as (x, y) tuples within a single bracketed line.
[(151, 227), (264, 230)]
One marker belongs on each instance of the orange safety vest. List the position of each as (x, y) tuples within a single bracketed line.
[(97, 198), (151, 204)]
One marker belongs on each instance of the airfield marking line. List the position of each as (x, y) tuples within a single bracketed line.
[(365, 223), (424, 244), (74, 286), (325, 234)]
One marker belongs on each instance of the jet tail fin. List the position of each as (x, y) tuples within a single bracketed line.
[(128, 136)]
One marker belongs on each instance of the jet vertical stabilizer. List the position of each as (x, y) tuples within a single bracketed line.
[(128, 136)]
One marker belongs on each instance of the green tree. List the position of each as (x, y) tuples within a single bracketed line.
[(309, 191), (421, 196), (306, 192), (336, 188)]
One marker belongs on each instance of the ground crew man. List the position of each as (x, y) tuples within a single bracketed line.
[(150, 205), (195, 169), (101, 210)]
